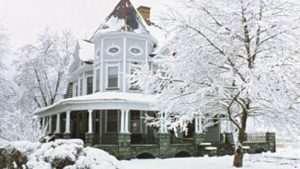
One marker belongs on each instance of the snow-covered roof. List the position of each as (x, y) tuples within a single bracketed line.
[(133, 97), (86, 50), (124, 17), (100, 97)]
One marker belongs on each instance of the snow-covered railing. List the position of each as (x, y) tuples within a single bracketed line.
[(256, 137)]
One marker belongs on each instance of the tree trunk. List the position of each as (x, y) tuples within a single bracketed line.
[(239, 154)]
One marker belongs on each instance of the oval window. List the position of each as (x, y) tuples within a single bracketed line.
[(135, 50), (113, 50)]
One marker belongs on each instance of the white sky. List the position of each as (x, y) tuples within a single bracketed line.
[(24, 19)]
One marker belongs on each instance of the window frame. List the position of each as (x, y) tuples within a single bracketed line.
[(89, 76), (113, 46), (136, 47), (107, 77)]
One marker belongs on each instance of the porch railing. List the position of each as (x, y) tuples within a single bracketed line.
[(178, 140), (143, 139), (109, 139), (256, 137)]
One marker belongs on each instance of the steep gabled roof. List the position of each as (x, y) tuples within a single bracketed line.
[(124, 17)]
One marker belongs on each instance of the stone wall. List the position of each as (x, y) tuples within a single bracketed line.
[(164, 149)]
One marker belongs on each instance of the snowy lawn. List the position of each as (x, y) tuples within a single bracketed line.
[(283, 159)]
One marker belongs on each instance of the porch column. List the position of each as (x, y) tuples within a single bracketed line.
[(57, 123), (50, 124), (126, 130), (122, 130), (90, 121), (68, 118), (198, 125), (89, 136)]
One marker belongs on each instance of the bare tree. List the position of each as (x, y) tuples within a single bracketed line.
[(42, 68), (235, 59)]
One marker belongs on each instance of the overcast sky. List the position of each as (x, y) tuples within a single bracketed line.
[(24, 19)]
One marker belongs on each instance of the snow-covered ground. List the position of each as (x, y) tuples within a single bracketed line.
[(44, 156), (283, 159)]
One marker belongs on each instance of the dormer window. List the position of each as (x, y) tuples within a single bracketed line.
[(113, 50)]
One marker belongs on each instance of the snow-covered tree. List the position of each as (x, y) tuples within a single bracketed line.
[(234, 60), (42, 69), (5, 90)]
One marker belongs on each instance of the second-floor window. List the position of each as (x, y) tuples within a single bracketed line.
[(89, 85), (112, 77)]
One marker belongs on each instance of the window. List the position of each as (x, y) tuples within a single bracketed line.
[(113, 49), (97, 80), (135, 51), (112, 75), (81, 87), (89, 85), (135, 123), (112, 121)]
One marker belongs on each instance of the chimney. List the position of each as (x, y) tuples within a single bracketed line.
[(145, 13)]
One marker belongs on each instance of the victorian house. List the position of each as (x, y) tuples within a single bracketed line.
[(106, 111)]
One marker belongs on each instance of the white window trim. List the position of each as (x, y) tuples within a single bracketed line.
[(137, 47), (119, 77), (113, 45)]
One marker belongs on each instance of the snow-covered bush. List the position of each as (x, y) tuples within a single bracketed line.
[(60, 154)]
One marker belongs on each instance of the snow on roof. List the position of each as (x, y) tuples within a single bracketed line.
[(106, 96), (86, 50), (134, 97), (124, 17)]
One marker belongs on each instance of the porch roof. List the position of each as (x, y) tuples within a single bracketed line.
[(101, 101)]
